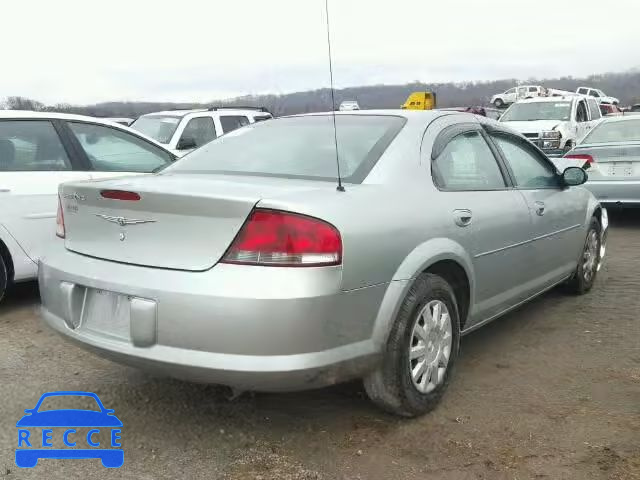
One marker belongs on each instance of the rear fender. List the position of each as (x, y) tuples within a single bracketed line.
[(419, 260)]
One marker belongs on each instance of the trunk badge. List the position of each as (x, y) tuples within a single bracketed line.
[(122, 221), (74, 196)]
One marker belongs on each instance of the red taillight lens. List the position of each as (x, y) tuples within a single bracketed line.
[(580, 156), (271, 237), (120, 195), (60, 220)]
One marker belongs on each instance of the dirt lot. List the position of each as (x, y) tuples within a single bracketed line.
[(550, 391)]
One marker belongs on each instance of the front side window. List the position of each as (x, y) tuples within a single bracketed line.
[(530, 111), (533, 89), (31, 146), (467, 163), (594, 93), (529, 169), (112, 150), (233, 122), (510, 91), (198, 131), (581, 112), (582, 91), (298, 147)]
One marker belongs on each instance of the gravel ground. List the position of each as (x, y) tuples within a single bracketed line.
[(549, 391)]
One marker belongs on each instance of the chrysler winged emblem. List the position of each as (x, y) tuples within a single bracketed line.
[(122, 221)]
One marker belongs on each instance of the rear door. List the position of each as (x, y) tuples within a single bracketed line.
[(557, 212), (488, 217), (230, 123), (34, 160), (109, 152)]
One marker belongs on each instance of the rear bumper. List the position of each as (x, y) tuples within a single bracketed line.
[(254, 328), (615, 192)]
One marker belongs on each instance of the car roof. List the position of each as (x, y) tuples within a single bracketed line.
[(30, 115), (183, 113), (563, 98)]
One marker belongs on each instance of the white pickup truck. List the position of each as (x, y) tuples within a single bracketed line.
[(554, 124)]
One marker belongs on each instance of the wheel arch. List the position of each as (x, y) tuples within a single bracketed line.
[(441, 256), (5, 254)]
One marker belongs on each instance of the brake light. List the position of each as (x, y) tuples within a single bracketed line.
[(120, 195), (277, 238), (60, 231), (581, 156)]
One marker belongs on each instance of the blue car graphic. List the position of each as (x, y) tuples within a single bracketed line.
[(69, 418)]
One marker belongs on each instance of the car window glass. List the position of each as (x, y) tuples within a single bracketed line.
[(261, 118), (29, 146), (201, 130), (594, 93), (112, 150), (528, 168), (533, 89), (511, 90), (594, 109), (582, 90), (233, 122), (581, 112), (467, 163)]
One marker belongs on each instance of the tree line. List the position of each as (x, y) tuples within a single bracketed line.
[(625, 86)]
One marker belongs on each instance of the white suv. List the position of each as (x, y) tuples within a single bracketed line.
[(554, 124), (517, 93), (184, 130)]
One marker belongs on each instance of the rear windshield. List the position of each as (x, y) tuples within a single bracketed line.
[(300, 147), (158, 127), (620, 131)]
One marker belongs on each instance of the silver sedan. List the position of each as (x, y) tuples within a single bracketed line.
[(611, 155), (244, 265)]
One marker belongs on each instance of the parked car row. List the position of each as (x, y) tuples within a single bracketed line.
[(526, 92)]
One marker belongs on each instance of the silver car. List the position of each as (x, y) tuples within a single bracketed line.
[(611, 155), (244, 265)]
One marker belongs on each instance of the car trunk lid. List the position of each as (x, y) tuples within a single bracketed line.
[(184, 222)]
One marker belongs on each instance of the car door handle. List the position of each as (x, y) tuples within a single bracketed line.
[(462, 217), (540, 206)]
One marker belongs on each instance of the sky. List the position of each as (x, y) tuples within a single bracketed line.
[(87, 51)]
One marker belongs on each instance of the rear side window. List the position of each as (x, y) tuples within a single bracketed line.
[(112, 150), (200, 129), (233, 122), (530, 171), (31, 146), (533, 89), (467, 163), (594, 109), (298, 147)]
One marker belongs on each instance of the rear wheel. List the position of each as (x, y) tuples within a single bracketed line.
[(585, 275), (4, 278), (421, 350)]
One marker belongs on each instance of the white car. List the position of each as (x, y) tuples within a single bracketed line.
[(181, 131), (40, 150), (599, 95), (121, 120), (554, 124), (349, 105), (517, 93)]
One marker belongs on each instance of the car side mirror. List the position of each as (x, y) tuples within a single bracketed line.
[(573, 176), (186, 143), (29, 410)]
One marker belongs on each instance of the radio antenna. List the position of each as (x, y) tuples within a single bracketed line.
[(333, 98)]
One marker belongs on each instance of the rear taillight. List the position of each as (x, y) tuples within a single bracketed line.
[(276, 238), (120, 195), (60, 220), (580, 156)]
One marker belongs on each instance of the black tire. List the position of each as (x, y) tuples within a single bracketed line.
[(581, 281), (4, 278), (498, 103), (391, 387)]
